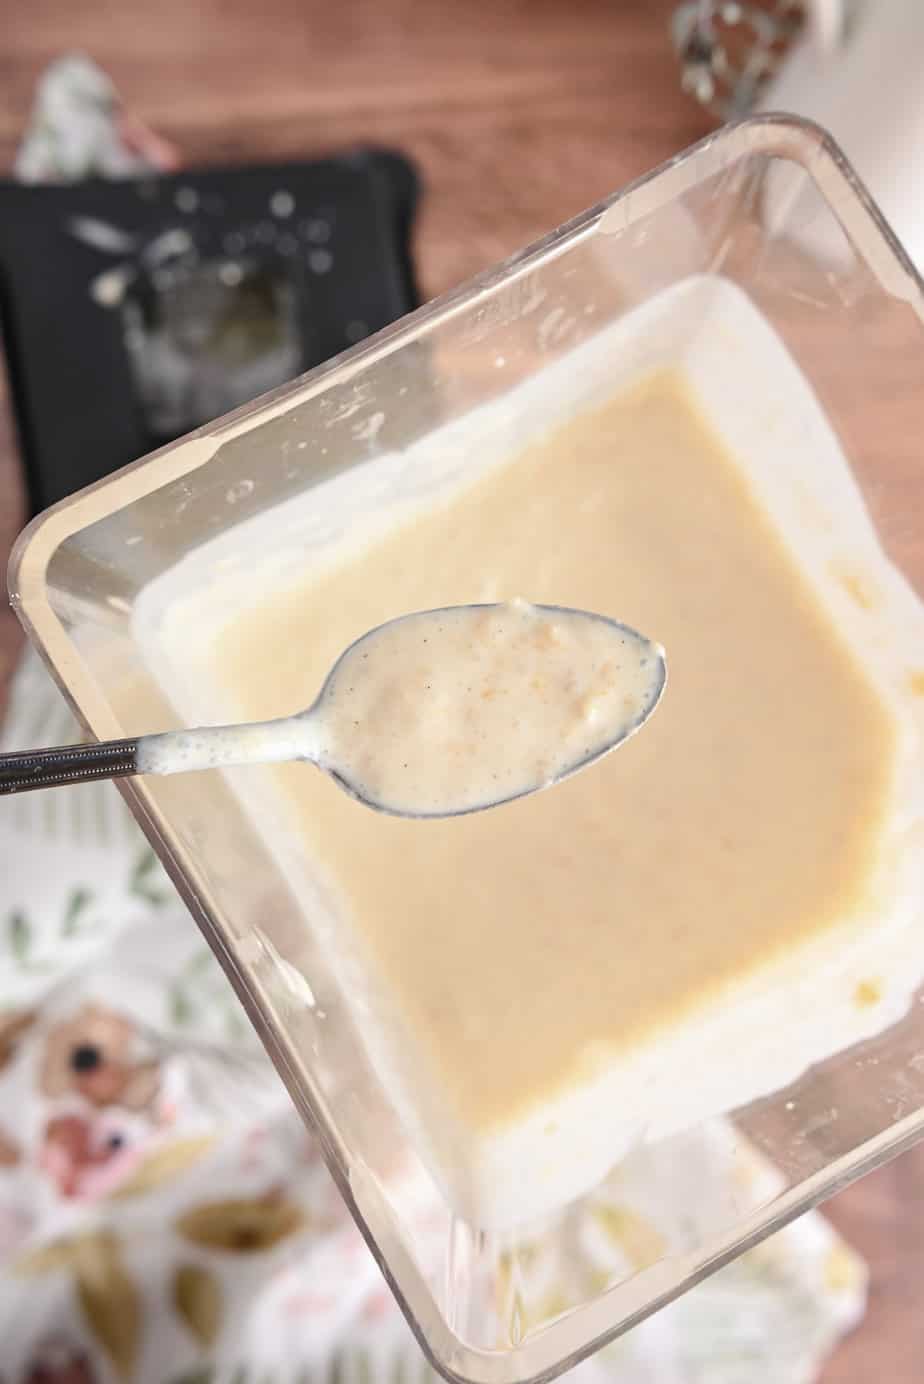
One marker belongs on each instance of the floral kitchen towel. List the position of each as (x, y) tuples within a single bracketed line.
[(165, 1218)]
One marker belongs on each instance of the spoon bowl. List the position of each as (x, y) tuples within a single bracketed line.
[(484, 657)]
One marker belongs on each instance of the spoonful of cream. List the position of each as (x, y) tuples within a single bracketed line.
[(433, 714)]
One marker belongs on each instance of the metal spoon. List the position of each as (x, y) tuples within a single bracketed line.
[(306, 736)]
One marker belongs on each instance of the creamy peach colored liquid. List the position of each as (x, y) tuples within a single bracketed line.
[(522, 946)]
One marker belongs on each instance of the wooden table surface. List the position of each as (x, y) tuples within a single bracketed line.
[(519, 113)]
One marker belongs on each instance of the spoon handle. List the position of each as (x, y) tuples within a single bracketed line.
[(24, 770), (170, 752)]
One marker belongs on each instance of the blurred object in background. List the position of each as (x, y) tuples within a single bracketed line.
[(140, 305), (853, 66), (80, 129), (730, 50)]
